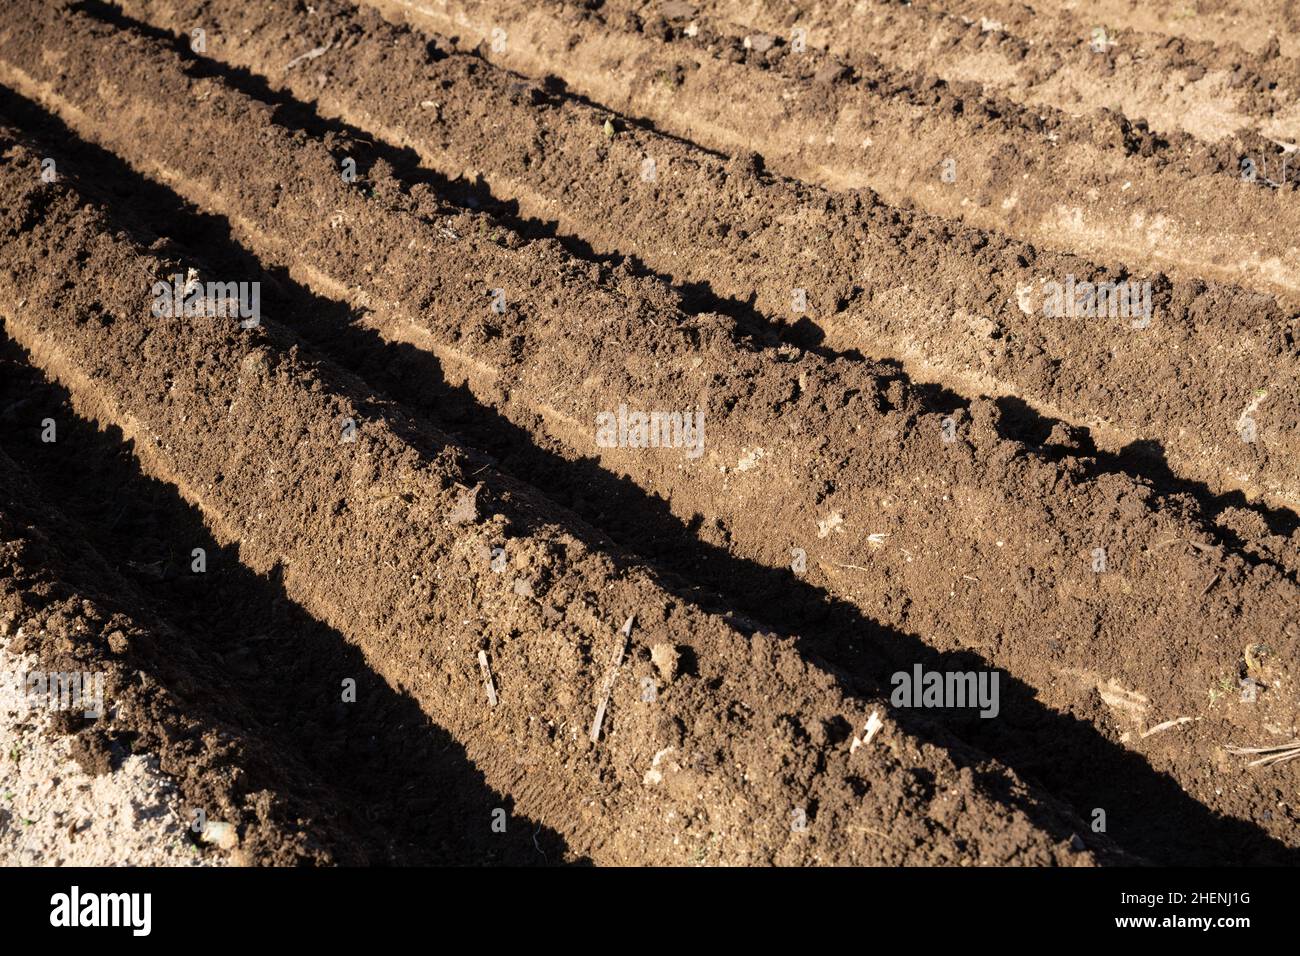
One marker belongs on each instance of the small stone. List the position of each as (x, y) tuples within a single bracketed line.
[(255, 364), (220, 835), (676, 10), (466, 508), (665, 658)]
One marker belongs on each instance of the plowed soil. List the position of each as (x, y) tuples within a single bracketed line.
[(441, 619)]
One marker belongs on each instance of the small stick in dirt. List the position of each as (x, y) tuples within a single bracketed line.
[(1280, 753), (607, 687), (874, 723), (1167, 725), (487, 678), (309, 55)]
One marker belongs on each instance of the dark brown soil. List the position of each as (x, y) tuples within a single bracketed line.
[(1085, 176), (374, 559), (957, 305), (375, 538)]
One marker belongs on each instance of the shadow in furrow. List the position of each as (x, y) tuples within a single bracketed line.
[(381, 783), (1142, 460)]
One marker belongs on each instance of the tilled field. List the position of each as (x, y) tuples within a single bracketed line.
[(449, 609)]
